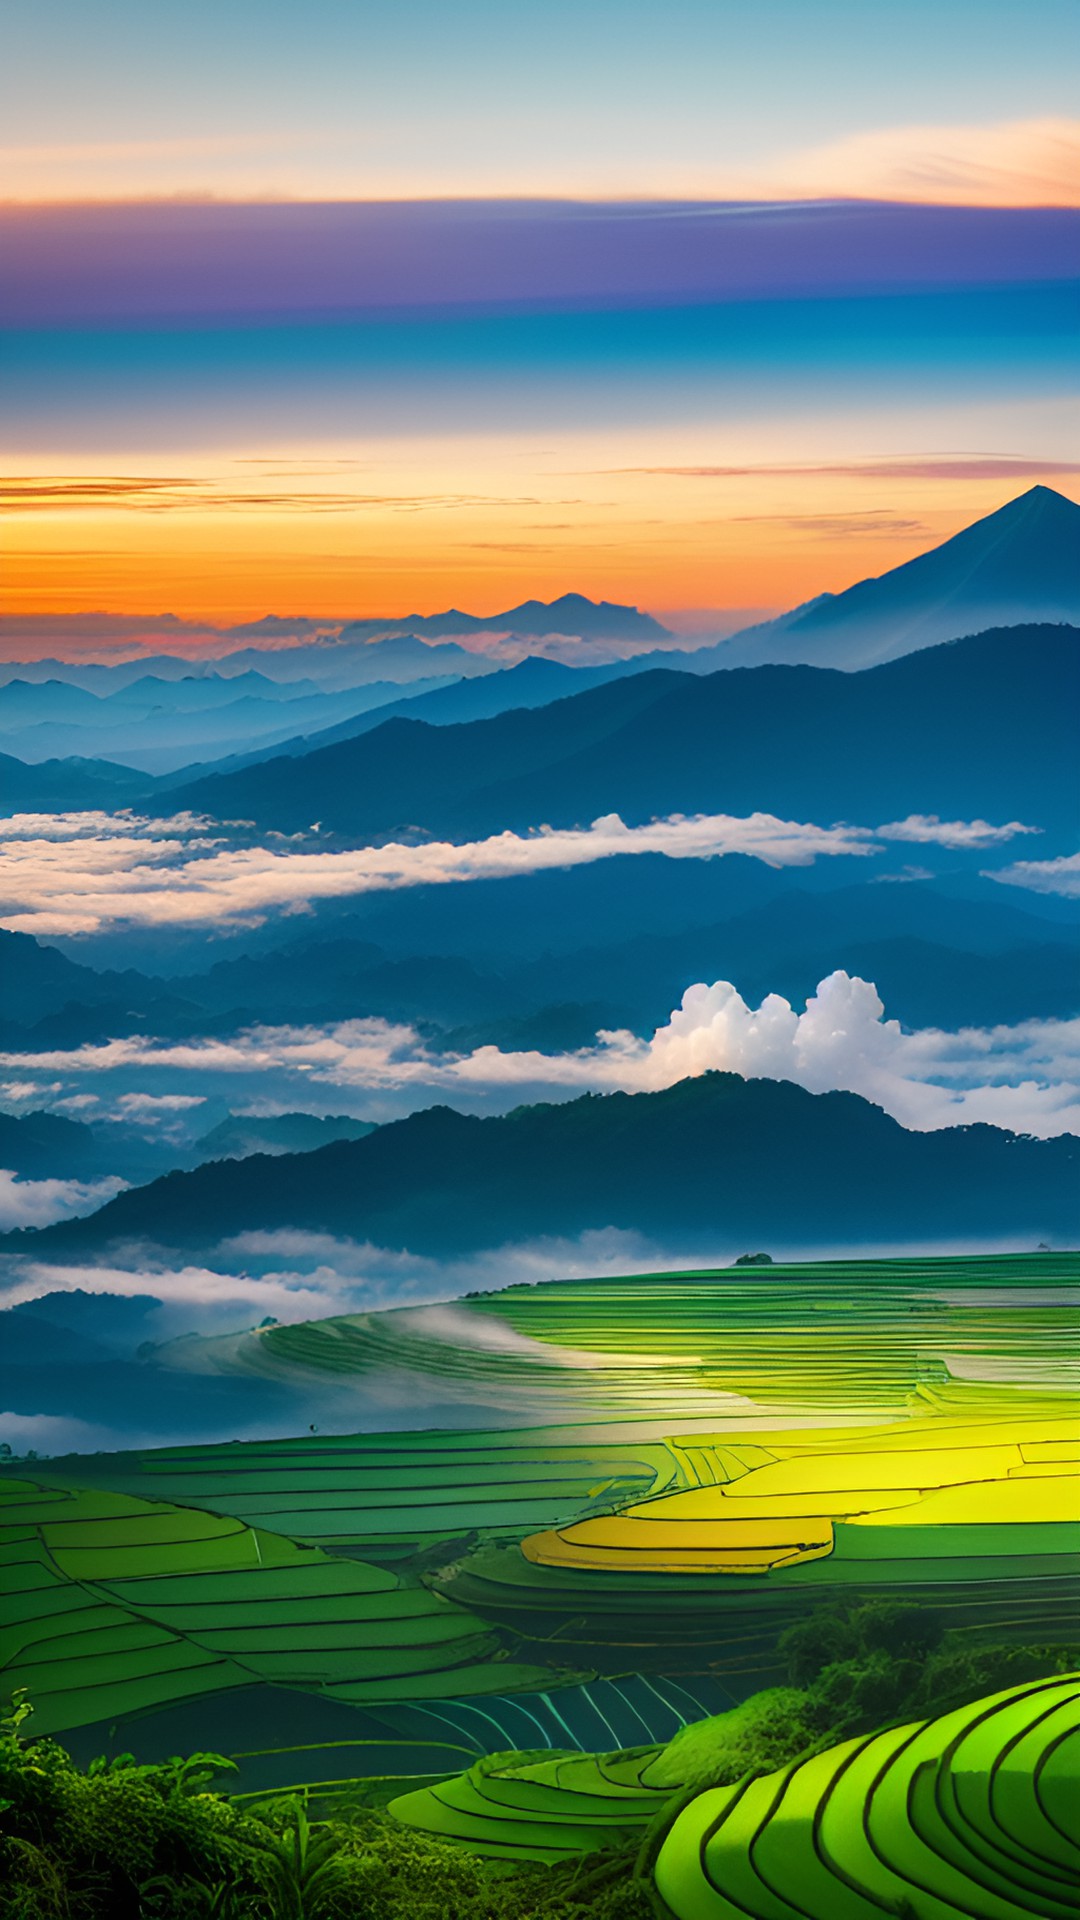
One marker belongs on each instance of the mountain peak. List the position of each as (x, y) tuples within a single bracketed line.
[(1017, 565)]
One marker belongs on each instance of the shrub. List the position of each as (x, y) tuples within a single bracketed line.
[(764, 1732)]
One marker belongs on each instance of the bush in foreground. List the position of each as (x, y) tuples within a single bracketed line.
[(121, 1841)]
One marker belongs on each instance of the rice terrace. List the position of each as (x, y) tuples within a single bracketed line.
[(539, 961), (541, 1642)]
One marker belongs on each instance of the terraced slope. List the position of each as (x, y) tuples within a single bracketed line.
[(842, 1338), (391, 1495), (973, 1814), (714, 1454), (929, 1488), (845, 1335), (539, 1807), (122, 1605)]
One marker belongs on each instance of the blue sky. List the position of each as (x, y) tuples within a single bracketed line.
[(354, 96)]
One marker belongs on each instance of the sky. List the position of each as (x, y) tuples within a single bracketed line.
[(369, 310), (351, 99)]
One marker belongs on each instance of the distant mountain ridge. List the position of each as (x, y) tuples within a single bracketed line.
[(986, 723), (716, 1156), (532, 682), (1015, 566), (156, 725), (242, 1135), (572, 614)]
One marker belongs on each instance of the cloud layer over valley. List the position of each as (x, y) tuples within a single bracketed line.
[(37, 1203), (1024, 1077), (82, 873)]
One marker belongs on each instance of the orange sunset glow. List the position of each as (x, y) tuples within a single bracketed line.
[(221, 541)]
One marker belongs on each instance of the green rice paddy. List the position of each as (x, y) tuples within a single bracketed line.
[(687, 1463), (975, 1813)]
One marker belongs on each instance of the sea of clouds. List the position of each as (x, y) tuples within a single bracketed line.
[(1024, 1077), (81, 873)]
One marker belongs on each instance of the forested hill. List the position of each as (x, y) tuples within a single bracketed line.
[(749, 1160)]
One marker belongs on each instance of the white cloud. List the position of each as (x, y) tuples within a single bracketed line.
[(78, 884), (93, 824), (239, 1297), (151, 1106), (1025, 1077), (1042, 876), (37, 1203), (925, 829), (63, 874), (294, 1276), (18, 1092)]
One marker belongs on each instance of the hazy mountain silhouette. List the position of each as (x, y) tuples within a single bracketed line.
[(47, 1145), (1017, 565), (532, 682), (59, 785), (161, 735), (717, 1155), (984, 726), (244, 1134), (572, 614)]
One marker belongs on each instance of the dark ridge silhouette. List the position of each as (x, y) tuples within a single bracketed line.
[(719, 1155)]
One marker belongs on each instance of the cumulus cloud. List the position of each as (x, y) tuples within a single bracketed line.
[(1025, 1077), (147, 873), (38, 1203), (1042, 876)]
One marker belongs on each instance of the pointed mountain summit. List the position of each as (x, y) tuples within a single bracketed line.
[(1017, 565)]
